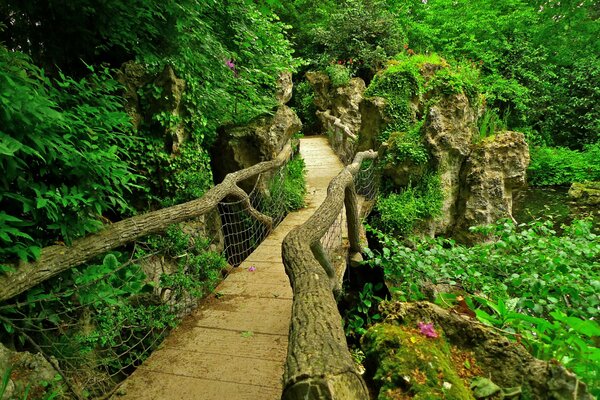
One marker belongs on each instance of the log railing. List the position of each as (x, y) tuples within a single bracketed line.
[(319, 365), (59, 258)]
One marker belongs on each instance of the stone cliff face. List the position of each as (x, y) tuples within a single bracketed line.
[(477, 177), (494, 169), (240, 147), (449, 130), (338, 112)]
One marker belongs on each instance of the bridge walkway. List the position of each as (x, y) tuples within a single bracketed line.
[(233, 347)]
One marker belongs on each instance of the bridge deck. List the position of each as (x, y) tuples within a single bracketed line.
[(234, 345)]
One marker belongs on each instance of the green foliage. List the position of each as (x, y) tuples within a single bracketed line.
[(490, 123), (539, 60), (188, 175), (550, 281), (303, 104), (406, 147), (287, 189), (61, 153), (562, 166), (364, 313), (409, 78), (360, 34), (400, 212), (338, 74)]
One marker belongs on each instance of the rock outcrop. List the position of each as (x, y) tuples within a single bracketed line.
[(425, 125), (283, 94), (493, 170), (373, 121), (449, 344), (449, 131), (168, 102), (338, 112), (587, 193), (239, 147), (133, 76), (28, 374)]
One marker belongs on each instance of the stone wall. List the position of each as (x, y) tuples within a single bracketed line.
[(338, 111)]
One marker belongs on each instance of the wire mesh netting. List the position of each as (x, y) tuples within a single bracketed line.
[(367, 181), (366, 184), (96, 323)]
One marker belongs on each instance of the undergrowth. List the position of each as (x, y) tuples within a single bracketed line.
[(563, 166), (529, 282)]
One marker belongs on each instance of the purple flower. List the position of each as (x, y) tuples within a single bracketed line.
[(230, 64), (427, 330), (252, 268)]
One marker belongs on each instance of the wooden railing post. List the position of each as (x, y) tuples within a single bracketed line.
[(352, 218)]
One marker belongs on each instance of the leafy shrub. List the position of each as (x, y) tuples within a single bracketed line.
[(406, 147), (550, 281), (62, 153), (562, 166), (287, 189), (490, 123), (400, 212), (339, 75)]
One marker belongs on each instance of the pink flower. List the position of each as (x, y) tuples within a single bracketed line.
[(427, 330), (252, 268)]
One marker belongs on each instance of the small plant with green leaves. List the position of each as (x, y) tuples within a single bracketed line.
[(364, 313), (287, 189), (400, 212), (338, 74)]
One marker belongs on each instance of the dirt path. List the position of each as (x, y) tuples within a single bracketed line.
[(233, 347)]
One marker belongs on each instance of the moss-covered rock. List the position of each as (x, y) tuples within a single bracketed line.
[(404, 363), (587, 193)]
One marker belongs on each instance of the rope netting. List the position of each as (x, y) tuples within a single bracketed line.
[(242, 232), (96, 323), (366, 184)]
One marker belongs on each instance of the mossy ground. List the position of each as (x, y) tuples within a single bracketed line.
[(409, 365)]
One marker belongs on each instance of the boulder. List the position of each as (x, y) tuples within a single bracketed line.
[(438, 344), (587, 193), (239, 147), (449, 131), (30, 373), (338, 111), (494, 169)]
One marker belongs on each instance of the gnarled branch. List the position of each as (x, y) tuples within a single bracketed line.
[(56, 259)]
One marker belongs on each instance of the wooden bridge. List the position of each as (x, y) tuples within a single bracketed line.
[(234, 346), (271, 329)]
